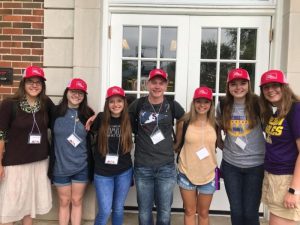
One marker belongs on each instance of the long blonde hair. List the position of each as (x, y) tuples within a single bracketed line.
[(191, 116), (125, 128), (288, 98)]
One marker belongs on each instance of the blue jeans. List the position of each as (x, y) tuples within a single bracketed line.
[(111, 194), (155, 185), (243, 187)]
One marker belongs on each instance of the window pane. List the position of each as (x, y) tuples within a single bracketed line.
[(130, 41), (130, 98), (168, 45), (208, 75), (228, 43), (250, 67), (129, 75), (146, 67), (209, 42), (248, 44), (149, 42), (224, 69), (170, 68)]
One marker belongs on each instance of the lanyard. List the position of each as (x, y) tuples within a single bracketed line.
[(34, 124), (156, 116), (75, 121)]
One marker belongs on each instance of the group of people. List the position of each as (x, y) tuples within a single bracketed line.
[(260, 151)]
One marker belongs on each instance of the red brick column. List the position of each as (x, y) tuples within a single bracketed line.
[(21, 37)]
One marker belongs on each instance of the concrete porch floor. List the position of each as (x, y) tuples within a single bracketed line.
[(130, 218)]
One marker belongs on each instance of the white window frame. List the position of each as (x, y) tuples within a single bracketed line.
[(196, 2)]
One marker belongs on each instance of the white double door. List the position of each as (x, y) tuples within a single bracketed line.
[(194, 50)]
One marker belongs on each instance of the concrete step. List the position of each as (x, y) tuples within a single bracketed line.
[(131, 219)]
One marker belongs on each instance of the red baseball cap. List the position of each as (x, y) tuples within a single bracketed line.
[(203, 92), (158, 72), (77, 84), (34, 71), (273, 76), (115, 90), (238, 73)]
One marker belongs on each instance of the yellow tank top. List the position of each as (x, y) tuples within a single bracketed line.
[(198, 171)]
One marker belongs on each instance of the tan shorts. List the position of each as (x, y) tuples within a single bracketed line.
[(273, 192), (25, 190)]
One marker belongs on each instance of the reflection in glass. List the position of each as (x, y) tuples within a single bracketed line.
[(149, 42), (248, 44), (130, 98), (224, 69), (250, 67), (228, 43), (146, 67), (170, 97), (170, 68), (130, 41), (129, 75), (209, 42), (208, 75), (168, 45)]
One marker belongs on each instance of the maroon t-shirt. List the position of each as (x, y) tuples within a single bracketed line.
[(281, 149), (17, 149)]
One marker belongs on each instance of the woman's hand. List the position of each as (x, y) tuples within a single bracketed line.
[(89, 122), (290, 201)]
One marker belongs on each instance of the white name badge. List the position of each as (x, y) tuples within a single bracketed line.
[(157, 137), (74, 140), (240, 143), (202, 153), (111, 159), (34, 139)]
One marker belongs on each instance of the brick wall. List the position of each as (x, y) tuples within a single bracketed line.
[(21, 38)]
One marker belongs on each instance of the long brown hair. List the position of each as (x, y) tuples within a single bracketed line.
[(191, 116), (250, 100), (21, 93), (288, 98), (125, 127)]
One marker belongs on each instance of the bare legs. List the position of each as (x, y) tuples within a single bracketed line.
[(276, 220), (71, 194), (195, 203)]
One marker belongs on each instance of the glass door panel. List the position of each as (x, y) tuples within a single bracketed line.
[(194, 50)]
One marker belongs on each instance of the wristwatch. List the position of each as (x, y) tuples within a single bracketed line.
[(293, 191)]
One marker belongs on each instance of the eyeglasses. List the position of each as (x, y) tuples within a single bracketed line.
[(271, 86), (31, 82), (77, 92)]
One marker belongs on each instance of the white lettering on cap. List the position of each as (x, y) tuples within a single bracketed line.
[(204, 92), (237, 74), (35, 71), (115, 91), (79, 84), (271, 77)]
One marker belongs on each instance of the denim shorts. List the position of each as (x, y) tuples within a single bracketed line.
[(80, 177), (186, 184)]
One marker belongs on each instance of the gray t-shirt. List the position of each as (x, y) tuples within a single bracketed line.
[(69, 160), (151, 119), (234, 153)]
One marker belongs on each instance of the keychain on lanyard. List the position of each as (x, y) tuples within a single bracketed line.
[(73, 138), (34, 138), (156, 135)]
